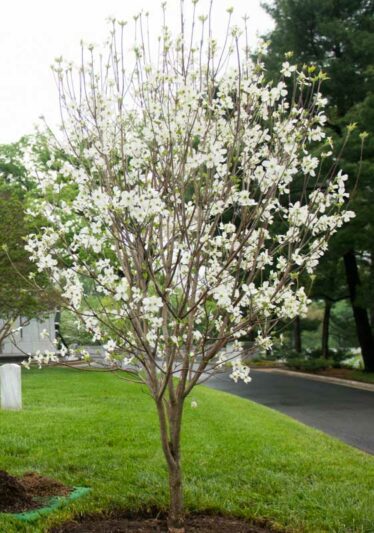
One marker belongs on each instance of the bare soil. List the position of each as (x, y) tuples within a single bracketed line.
[(41, 486), (27, 492), (32, 491), (195, 523)]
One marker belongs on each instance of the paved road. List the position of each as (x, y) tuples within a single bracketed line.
[(343, 412)]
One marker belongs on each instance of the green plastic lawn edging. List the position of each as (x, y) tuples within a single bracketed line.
[(57, 501)]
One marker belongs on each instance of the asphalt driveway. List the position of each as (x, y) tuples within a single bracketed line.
[(343, 412)]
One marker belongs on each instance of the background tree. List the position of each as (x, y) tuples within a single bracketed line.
[(338, 36), (19, 296), (170, 228), (329, 287)]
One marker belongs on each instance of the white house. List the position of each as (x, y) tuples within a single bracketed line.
[(36, 334)]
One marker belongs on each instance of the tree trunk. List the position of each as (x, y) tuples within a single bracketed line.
[(59, 337), (363, 329), (297, 344), (170, 425), (176, 511), (372, 292), (326, 329)]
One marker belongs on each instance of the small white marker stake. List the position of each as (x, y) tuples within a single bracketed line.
[(10, 387)]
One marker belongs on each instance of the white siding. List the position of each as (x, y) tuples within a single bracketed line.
[(29, 339)]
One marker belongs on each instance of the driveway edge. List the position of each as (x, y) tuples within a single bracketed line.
[(315, 377)]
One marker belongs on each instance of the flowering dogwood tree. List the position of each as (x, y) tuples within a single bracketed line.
[(174, 225)]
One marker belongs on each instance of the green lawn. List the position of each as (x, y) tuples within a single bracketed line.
[(360, 375), (239, 458)]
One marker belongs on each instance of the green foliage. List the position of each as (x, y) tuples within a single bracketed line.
[(337, 36), (12, 171), (20, 295), (342, 330), (359, 375), (342, 327), (310, 363), (336, 355), (70, 331)]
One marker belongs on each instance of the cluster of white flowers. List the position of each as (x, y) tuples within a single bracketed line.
[(40, 358), (169, 228), (240, 371)]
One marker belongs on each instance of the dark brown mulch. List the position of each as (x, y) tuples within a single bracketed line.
[(13, 495), (43, 487), (27, 492), (195, 523)]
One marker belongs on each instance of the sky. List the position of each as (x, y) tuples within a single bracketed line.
[(34, 32)]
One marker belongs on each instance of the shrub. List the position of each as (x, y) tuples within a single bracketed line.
[(318, 363)]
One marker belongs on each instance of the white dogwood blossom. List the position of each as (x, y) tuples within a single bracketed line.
[(182, 201), (170, 192)]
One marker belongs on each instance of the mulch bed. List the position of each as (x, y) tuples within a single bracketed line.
[(195, 523), (31, 491)]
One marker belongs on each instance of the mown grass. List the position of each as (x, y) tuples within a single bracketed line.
[(360, 375), (239, 458), (348, 373)]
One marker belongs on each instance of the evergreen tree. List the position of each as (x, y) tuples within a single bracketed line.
[(338, 36)]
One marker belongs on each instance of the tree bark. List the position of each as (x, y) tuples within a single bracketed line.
[(59, 337), (297, 343), (326, 329), (372, 295), (176, 511), (170, 417), (363, 329)]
